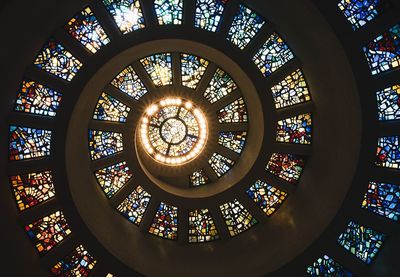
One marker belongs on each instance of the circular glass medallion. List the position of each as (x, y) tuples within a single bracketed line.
[(173, 131)]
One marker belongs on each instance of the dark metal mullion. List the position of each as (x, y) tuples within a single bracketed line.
[(301, 108), (258, 41), (149, 215), (210, 173), (111, 126), (49, 80), (227, 18), (106, 20), (143, 76), (124, 192), (104, 162), (189, 9), (227, 153), (183, 225), (30, 165), (233, 127), (149, 13), (73, 46), (39, 211), (388, 128), (225, 101), (121, 96), (31, 120), (251, 207), (282, 72), (293, 148), (219, 222), (206, 79), (277, 182), (176, 69)]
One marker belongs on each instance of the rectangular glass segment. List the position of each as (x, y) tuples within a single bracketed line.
[(110, 109), (129, 82), (236, 217), (199, 178), (192, 70), (78, 263), (245, 26), (388, 103), (272, 55), (127, 14), (169, 11), (86, 29), (35, 98), (165, 222), (388, 152), (28, 143), (135, 205), (112, 178), (220, 86), (233, 140), (360, 12), (361, 241), (296, 129), (326, 266), (267, 197), (286, 166), (208, 14), (31, 189), (220, 164), (48, 232), (159, 68), (103, 144), (383, 199), (201, 226), (291, 91), (56, 60), (235, 112), (383, 53)]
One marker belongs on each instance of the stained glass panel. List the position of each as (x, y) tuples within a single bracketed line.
[(129, 82), (208, 14), (326, 266), (234, 140), (383, 53), (112, 178), (32, 189), (56, 60), (388, 103), (135, 205), (245, 26), (37, 99), (291, 91), (220, 86), (267, 197), (78, 263), (199, 178), (296, 129), (127, 14), (360, 12), (103, 144), (383, 199), (27, 143), (361, 241), (169, 11), (201, 226), (286, 166), (48, 232), (220, 164), (165, 222), (110, 109), (86, 29), (159, 68), (235, 112), (237, 218), (388, 152), (192, 68)]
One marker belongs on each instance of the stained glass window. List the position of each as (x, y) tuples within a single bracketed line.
[(360, 12), (110, 109), (291, 91), (326, 266), (112, 178), (165, 222), (235, 112), (245, 26), (85, 28), (383, 53), (267, 197), (32, 189), (383, 199), (199, 178), (103, 143), (37, 99), (56, 60), (237, 218), (201, 226), (388, 103), (296, 129), (48, 232), (159, 67), (286, 166), (193, 69), (220, 86), (27, 143), (127, 14), (129, 82), (134, 206), (208, 14), (169, 11), (388, 152), (233, 140), (361, 241), (220, 164), (78, 263)]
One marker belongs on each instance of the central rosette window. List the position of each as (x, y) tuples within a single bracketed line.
[(173, 131)]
